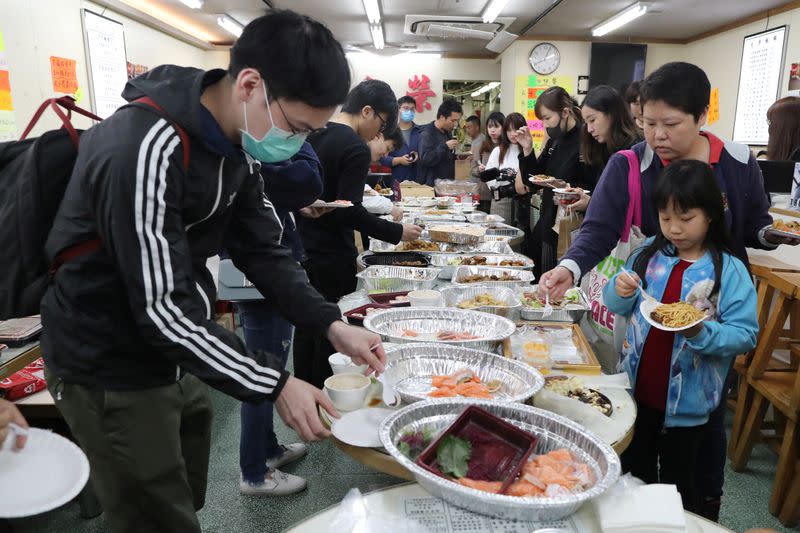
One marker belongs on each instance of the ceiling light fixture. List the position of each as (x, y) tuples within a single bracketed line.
[(230, 25), (377, 36), (373, 12), (485, 89), (625, 16), (492, 10), (194, 4)]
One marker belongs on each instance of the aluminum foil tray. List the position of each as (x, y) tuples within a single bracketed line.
[(574, 313), (439, 233), (553, 431), (494, 247), (428, 321), (396, 279), (511, 310), (525, 277), (504, 230), (412, 365), (445, 262)]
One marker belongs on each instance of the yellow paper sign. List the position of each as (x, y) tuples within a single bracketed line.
[(713, 106)]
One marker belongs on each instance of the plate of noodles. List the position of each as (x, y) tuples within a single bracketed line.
[(671, 317)]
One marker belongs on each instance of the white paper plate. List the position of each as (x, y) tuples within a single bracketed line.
[(648, 306), (321, 203), (360, 428), (46, 474)]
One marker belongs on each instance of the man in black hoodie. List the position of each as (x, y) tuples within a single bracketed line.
[(128, 326)]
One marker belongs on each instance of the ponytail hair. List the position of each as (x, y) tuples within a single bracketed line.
[(557, 100)]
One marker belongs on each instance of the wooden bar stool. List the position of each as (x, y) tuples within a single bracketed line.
[(790, 513), (763, 268), (763, 387)]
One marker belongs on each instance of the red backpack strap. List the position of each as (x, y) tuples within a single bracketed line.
[(146, 100), (68, 103)]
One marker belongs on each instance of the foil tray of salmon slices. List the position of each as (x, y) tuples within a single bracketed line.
[(457, 327), (484, 275), (381, 278), (553, 432), (504, 301), (412, 366)]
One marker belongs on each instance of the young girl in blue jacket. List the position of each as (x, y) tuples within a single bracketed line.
[(678, 377)]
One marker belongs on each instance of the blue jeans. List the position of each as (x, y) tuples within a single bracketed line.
[(264, 329)]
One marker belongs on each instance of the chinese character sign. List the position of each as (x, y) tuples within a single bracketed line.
[(65, 78), (420, 91)]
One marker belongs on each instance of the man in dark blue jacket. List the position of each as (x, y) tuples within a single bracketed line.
[(436, 145), (403, 159)]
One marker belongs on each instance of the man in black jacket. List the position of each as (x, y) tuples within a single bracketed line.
[(128, 327), (436, 145), (370, 109)]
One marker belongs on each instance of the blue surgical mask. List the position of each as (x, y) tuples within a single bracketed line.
[(407, 115), (276, 145)]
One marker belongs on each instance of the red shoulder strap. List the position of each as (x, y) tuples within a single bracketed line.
[(68, 103), (146, 100)]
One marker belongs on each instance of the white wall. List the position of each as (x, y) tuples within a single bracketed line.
[(35, 30), (397, 71), (723, 72)]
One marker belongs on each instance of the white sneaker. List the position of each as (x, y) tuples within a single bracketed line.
[(276, 483), (291, 452)]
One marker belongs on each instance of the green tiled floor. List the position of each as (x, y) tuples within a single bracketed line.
[(331, 474)]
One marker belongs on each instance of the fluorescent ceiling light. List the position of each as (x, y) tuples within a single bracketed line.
[(194, 4), (458, 32), (373, 13), (492, 10), (620, 19), (501, 41), (230, 25), (485, 89), (377, 36)]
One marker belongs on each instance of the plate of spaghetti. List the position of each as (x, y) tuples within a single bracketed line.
[(677, 316)]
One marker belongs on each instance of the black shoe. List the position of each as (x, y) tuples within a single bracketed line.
[(709, 509)]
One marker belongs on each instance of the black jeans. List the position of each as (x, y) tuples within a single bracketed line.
[(333, 279), (664, 455)]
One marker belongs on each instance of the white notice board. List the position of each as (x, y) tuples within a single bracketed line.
[(108, 70), (759, 84)]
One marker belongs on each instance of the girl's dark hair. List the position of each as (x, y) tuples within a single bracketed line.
[(297, 56), (623, 132), (784, 129), (495, 117), (689, 184), (632, 92), (514, 121), (557, 99)]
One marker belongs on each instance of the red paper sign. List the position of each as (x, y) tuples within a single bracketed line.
[(65, 77), (420, 91)]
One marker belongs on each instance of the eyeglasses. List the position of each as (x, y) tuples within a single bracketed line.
[(296, 132), (383, 123)]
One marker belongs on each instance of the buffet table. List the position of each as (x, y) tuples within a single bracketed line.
[(15, 359), (411, 500)]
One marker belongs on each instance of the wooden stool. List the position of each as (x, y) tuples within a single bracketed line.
[(762, 387), (790, 513)]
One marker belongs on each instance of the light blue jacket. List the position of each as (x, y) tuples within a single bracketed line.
[(700, 364)]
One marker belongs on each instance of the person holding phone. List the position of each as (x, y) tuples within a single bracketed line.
[(403, 159)]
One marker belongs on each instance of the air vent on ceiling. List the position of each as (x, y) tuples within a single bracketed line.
[(450, 27)]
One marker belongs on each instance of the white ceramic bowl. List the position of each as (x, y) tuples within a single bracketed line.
[(347, 391), (342, 364), (425, 298)]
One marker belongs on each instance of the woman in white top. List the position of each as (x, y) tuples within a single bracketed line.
[(507, 156)]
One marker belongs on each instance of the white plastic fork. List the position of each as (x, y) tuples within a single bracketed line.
[(548, 309)]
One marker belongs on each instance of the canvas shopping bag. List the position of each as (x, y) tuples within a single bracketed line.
[(567, 225), (605, 330)]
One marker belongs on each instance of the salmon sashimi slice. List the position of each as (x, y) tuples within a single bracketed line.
[(485, 486), (464, 382), (523, 489), (561, 454)]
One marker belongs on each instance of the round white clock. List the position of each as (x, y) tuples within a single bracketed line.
[(544, 58)]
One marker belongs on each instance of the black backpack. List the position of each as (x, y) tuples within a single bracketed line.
[(33, 178)]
